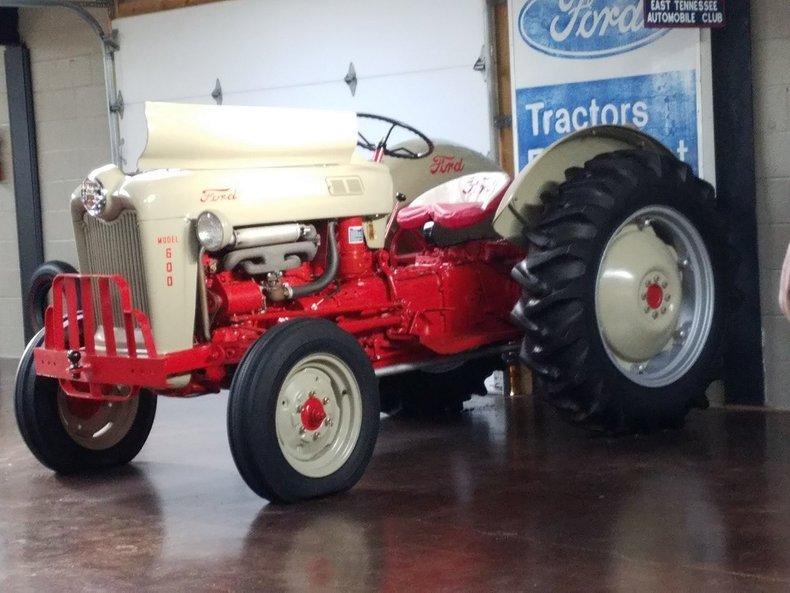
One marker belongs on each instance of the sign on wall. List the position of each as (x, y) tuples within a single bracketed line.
[(685, 13), (581, 63)]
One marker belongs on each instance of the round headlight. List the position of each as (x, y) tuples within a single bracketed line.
[(93, 196), (213, 231)]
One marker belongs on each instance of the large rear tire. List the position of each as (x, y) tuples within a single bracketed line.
[(624, 294), (71, 435), (303, 413)]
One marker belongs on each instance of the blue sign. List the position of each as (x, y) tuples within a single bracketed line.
[(661, 105), (585, 29)]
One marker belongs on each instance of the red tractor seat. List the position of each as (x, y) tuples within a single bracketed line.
[(459, 203)]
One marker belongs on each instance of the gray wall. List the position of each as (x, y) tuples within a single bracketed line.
[(10, 301), (72, 133), (771, 63)]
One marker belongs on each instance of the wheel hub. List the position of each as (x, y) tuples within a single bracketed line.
[(638, 293), (313, 413), (318, 414)]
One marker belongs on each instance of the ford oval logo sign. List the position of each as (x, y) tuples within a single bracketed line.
[(585, 29)]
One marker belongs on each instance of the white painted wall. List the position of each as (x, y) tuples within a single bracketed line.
[(413, 60), (771, 72)]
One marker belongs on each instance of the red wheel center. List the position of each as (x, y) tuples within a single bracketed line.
[(655, 296), (82, 407), (312, 413)]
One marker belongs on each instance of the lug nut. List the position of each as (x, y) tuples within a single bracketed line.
[(325, 401), (316, 435), (655, 314), (302, 429), (644, 296), (647, 309), (299, 409), (663, 310)]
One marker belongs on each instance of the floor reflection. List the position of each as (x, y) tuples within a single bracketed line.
[(503, 498)]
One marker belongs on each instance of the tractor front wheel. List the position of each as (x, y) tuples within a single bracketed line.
[(73, 435), (303, 412), (624, 293)]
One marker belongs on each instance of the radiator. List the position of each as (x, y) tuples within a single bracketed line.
[(114, 248)]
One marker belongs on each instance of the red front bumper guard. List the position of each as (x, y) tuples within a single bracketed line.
[(69, 353)]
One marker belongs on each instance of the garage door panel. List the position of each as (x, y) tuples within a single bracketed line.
[(450, 104), (254, 44)]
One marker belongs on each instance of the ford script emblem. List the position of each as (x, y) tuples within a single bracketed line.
[(585, 29)]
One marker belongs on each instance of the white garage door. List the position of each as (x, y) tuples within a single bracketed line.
[(413, 61)]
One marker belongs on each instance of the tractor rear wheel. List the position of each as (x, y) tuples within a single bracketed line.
[(303, 413), (624, 294)]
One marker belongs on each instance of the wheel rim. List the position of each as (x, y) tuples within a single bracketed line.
[(319, 415), (96, 425), (655, 296)]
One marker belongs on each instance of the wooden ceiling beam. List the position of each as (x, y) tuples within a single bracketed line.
[(135, 7)]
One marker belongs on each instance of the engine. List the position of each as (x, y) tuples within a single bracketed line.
[(401, 306)]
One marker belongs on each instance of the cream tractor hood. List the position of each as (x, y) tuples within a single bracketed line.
[(188, 136)]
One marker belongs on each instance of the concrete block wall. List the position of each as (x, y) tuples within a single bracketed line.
[(10, 291), (72, 134), (771, 78), (71, 114)]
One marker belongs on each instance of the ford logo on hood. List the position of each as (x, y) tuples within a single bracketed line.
[(585, 29)]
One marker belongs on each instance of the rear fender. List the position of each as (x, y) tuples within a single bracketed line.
[(413, 177), (522, 203)]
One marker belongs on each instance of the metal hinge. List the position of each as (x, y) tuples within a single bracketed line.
[(110, 42), (351, 79), (481, 63), (117, 106), (503, 121), (216, 94)]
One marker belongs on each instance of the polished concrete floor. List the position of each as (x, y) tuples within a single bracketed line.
[(503, 499)]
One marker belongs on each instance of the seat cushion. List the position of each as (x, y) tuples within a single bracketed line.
[(458, 203)]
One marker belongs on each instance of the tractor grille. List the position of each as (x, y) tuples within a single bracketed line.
[(114, 248)]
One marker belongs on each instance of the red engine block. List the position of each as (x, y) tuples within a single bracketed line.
[(402, 308)]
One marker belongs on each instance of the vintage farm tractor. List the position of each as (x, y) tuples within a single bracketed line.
[(255, 250)]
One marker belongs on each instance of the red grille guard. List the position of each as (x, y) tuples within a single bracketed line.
[(70, 354)]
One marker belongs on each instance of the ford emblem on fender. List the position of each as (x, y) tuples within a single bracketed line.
[(585, 29)]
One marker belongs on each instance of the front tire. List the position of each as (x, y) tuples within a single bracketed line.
[(303, 412), (71, 435), (624, 294), (38, 295)]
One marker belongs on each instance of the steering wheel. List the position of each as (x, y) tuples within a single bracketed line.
[(401, 152)]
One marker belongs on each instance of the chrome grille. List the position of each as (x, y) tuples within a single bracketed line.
[(114, 248)]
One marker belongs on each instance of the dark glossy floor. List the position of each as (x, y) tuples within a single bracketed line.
[(504, 499)]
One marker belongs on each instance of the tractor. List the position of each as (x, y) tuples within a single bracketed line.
[(259, 250)]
